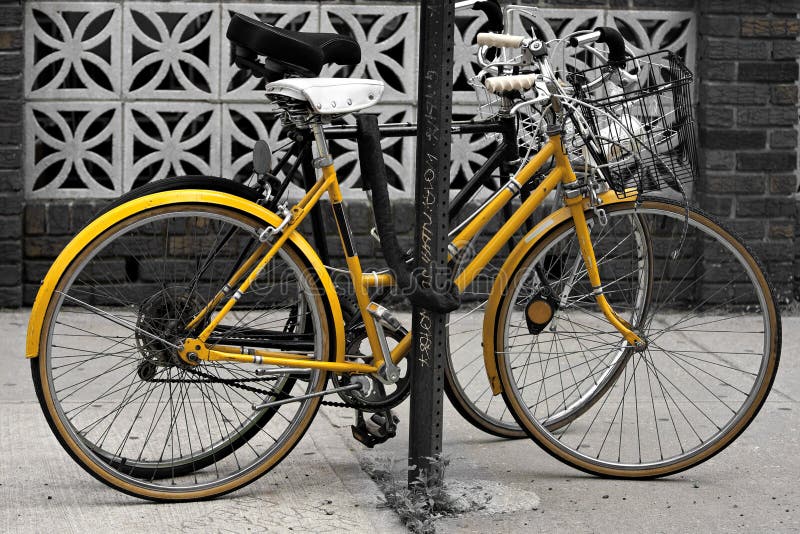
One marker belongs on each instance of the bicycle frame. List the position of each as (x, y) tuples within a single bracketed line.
[(562, 173), (505, 152)]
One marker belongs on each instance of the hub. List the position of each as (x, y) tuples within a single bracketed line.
[(165, 314), (193, 351)]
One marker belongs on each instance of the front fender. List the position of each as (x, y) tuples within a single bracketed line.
[(164, 198), (519, 253)]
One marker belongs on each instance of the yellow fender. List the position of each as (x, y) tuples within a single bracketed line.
[(517, 255), (102, 223)]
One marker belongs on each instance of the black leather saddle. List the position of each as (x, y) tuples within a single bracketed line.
[(286, 51)]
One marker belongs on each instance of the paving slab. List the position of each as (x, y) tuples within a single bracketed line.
[(318, 488), (750, 487)]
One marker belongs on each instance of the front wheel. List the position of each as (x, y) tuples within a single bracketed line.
[(108, 378), (713, 343)]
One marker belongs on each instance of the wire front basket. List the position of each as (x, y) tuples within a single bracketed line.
[(488, 103), (642, 124)]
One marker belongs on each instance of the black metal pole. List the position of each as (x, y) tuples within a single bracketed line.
[(434, 115)]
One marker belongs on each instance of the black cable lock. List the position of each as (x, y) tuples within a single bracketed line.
[(370, 157)]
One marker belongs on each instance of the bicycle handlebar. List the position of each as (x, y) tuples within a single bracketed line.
[(500, 40), (492, 9), (610, 36), (494, 14), (584, 38), (519, 82)]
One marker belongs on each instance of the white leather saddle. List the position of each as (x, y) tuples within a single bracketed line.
[(329, 96)]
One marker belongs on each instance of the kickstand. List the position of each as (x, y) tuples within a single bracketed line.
[(378, 428)]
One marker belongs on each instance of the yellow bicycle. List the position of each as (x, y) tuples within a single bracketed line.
[(182, 342)]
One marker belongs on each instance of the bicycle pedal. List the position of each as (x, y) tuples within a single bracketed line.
[(364, 437), (379, 428), (383, 424), (384, 316)]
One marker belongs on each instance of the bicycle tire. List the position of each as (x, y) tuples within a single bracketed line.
[(118, 272), (718, 287), (466, 383)]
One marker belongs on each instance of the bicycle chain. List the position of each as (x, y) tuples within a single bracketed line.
[(237, 383)]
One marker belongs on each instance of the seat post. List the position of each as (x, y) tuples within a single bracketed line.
[(324, 156)]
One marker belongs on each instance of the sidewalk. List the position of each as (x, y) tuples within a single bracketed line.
[(751, 486)]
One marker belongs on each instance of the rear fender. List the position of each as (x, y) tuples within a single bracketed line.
[(164, 198)]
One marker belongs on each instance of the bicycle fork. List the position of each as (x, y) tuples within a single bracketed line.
[(575, 200)]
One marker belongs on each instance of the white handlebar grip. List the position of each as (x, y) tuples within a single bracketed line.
[(520, 82), (500, 40)]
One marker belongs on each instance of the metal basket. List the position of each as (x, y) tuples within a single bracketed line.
[(644, 127), (488, 103)]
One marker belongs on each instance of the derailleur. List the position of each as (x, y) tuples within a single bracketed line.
[(376, 429)]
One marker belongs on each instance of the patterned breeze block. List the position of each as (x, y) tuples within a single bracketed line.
[(122, 93)]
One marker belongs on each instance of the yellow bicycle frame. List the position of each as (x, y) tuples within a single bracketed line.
[(562, 172)]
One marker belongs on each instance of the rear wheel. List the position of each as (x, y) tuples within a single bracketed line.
[(108, 377), (466, 382)]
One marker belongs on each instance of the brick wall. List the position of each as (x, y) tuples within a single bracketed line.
[(748, 119), (11, 196), (48, 227)]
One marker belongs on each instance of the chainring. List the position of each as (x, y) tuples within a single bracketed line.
[(376, 399)]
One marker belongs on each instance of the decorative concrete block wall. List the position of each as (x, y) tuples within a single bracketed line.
[(122, 93)]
